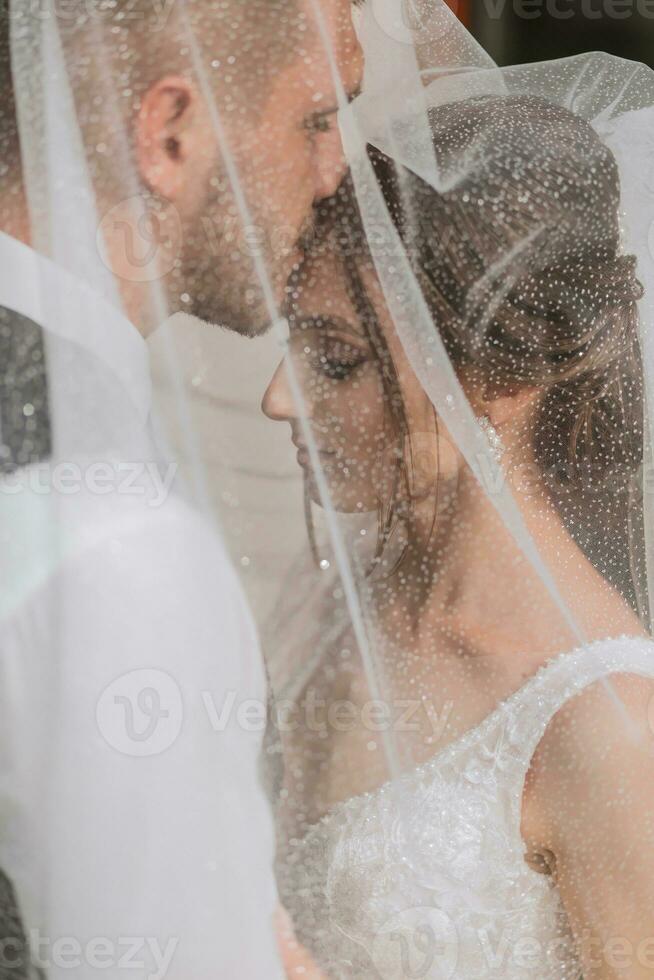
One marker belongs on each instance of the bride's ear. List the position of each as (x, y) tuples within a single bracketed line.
[(166, 135), (510, 404)]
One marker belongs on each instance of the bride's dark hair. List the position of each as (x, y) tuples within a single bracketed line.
[(542, 189)]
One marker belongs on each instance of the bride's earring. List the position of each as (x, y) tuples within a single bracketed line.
[(497, 446)]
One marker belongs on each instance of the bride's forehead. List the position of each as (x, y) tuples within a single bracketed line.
[(323, 293), (320, 285)]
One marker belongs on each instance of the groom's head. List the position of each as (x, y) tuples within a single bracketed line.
[(227, 112)]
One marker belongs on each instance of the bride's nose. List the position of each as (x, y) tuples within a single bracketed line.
[(278, 402)]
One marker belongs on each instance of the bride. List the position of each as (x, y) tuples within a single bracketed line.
[(516, 838)]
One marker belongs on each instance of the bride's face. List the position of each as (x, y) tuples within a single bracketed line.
[(340, 375), (341, 384)]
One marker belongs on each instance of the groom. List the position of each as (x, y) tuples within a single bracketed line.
[(277, 110), (274, 123)]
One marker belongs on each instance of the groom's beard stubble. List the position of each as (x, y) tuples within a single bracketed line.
[(219, 273)]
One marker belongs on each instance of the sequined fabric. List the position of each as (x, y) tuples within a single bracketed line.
[(14, 953), (24, 420), (24, 438), (426, 876)]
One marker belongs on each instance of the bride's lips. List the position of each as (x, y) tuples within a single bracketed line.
[(303, 457)]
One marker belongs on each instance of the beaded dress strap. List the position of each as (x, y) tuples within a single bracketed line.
[(556, 682)]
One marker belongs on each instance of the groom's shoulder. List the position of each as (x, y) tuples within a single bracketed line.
[(129, 587), (173, 542), (165, 577), (130, 546)]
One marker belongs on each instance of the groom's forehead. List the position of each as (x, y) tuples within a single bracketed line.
[(239, 38), (328, 49), (241, 44)]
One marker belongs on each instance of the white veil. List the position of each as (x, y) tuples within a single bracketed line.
[(473, 269)]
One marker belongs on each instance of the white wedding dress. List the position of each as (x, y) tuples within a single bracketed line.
[(426, 876)]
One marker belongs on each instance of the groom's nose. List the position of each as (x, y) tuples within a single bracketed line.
[(343, 73), (330, 164)]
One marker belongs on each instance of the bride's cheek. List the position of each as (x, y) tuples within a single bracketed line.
[(366, 413)]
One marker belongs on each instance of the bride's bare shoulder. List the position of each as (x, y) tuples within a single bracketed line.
[(596, 751)]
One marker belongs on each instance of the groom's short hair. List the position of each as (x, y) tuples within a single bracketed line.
[(139, 41), (115, 57)]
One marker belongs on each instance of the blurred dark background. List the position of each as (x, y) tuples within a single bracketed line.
[(515, 31)]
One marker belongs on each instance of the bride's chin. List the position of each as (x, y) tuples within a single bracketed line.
[(333, 501)]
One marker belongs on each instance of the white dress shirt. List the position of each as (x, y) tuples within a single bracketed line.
[(132, 823)]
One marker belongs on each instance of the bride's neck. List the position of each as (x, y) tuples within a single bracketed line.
[(470, 580)]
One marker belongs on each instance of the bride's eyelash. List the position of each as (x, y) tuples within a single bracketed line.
[(329, 346), (339, 359)]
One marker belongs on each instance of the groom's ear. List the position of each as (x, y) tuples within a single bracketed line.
[(166, 137)]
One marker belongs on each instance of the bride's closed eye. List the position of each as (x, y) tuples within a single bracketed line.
[(339, 358), (329, 349)]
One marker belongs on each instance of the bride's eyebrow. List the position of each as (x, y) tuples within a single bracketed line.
[(321, 322)]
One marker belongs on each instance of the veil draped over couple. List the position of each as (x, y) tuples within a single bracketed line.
[(370, 693)]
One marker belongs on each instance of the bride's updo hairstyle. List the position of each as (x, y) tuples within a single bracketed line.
[(521, 267)]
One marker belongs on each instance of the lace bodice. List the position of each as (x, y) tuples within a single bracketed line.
[(426, 876)]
